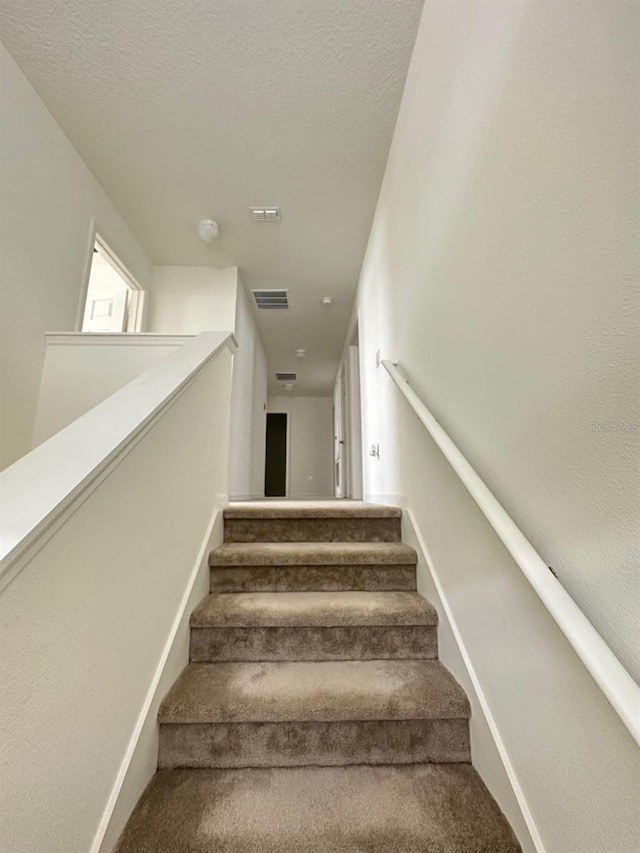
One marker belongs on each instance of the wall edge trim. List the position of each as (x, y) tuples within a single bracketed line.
[(100, 339)]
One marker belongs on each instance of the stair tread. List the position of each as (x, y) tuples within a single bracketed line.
[(314, 691), (310, 509), (322, 609), (430, 808), (312, 554)]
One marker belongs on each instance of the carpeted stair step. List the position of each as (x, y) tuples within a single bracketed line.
[(419, 809), (313, 713), (294, 626), (311, 566), (312, 521)]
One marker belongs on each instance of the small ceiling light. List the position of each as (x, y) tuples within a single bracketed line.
[(208, 230), (301, 353), (326, 300), (288, 386)]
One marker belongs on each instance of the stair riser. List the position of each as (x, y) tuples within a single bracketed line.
[(374, 578), (312, 530), (314, 643), (299, 744)]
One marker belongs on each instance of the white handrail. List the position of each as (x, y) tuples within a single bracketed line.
[(609, 674), (38, 491)]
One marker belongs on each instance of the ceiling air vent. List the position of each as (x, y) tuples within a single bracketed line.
[(271, 298), (286, 377), (265, 214)]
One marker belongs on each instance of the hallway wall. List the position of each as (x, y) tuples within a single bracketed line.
[(248, 406), (310, 444), (501, 273), (188, 300), (49, 200)]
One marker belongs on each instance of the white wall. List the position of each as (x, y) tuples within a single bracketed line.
[(248, 412), (81, 370), (94, 627), (310, 439), (48, 201), (258, 440), (501, 273), (504, 260), (188, 300)]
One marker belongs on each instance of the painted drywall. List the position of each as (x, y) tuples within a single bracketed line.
[(258, 440), (226, 105), (501, 273), (188, 300), (81, 370), (49, 201), (541, 730), (248, 406), (310, 442), (92, 618), (506, 264), (140, 760)]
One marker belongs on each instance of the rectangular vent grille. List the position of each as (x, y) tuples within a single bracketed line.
[(265, 214), (286, 377), (271, 298)]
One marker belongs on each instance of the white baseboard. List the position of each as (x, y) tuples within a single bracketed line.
[(141, 756), (490, 757), (388, 500)]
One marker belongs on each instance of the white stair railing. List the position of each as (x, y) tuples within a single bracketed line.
[(37, 491), (105, 533), (620, 689)]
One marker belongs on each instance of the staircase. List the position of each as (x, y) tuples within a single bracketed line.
[(314, 716)]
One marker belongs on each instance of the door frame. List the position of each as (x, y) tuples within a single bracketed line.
[(347, 422), (287, 473), (137, 304), (354, 423), (340, 454)]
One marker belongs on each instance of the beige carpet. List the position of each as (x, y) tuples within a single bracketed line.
[(314, 716), (422, 809)]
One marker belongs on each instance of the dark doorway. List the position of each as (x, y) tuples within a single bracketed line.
[(275, 469)]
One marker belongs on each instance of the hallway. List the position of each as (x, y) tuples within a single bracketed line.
[(382, 265)]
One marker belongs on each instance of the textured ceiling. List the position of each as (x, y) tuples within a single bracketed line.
[(191, 108)]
